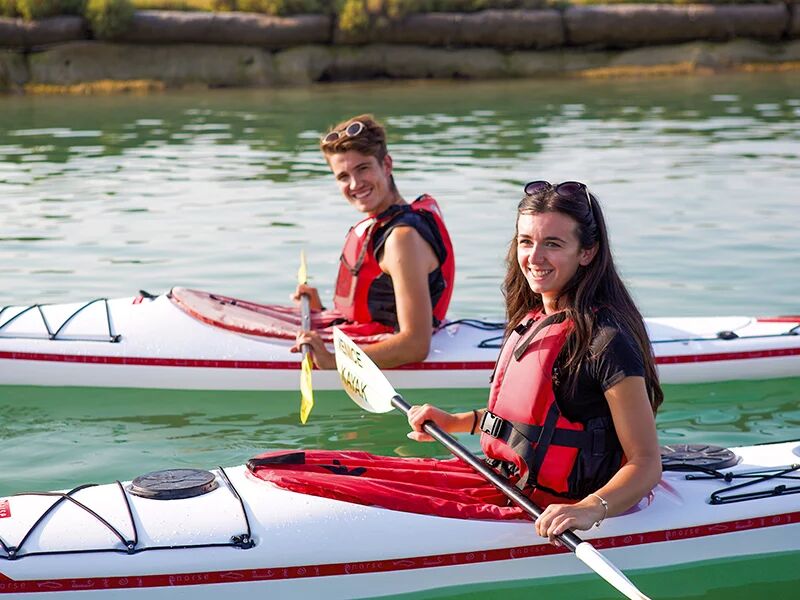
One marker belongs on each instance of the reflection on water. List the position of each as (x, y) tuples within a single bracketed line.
[(731, 413), (56, 438), (107, 195), (732, 579), (104, 196)]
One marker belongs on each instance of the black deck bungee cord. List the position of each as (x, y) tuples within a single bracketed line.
[(54, 336), (243, 541)]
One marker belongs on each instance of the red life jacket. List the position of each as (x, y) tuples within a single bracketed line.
[(359, 268), (524, 432)]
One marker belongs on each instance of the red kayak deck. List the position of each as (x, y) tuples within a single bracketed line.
[(445, 488), (429, 486), (263, 320)]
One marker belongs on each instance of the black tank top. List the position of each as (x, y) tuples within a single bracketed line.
[(381, 299)]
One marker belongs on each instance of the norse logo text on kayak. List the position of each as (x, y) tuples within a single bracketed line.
[(5, 509), (352, 382)]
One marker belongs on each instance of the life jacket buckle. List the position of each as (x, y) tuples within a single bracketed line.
[(492, 424)]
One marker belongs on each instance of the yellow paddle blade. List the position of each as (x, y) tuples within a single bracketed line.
[(306, 393), (302, 274)]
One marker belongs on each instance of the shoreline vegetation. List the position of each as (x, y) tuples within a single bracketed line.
[(101, 46)]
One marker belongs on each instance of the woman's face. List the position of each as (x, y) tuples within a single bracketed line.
[(363, 180), (549, 253)]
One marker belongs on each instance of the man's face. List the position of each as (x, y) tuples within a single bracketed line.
[(363, 180)]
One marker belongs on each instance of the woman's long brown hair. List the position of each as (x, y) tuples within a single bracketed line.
[(595, 286)]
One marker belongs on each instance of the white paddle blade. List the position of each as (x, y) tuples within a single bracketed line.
[(598, 563), (361, 378)]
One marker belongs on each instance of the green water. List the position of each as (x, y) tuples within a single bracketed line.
[(104, 196), (772, 575), (57, 438), (698, 178)]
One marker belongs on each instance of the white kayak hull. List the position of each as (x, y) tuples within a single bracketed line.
[(159, 346), (309, 547)]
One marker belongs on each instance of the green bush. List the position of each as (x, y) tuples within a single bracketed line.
[(224, 5), (356, 15), (281, 7), (73, 7), (353, 15), (109, 18), (8, 8), (276, 7), (184, 5), (38, 9), (398, 8)]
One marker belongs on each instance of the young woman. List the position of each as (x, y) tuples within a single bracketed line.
[(397, 269), (571, 410)]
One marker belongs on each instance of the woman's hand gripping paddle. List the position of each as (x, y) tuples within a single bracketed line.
[(368, 387), (306, 393)]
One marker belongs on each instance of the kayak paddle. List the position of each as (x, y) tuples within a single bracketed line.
[(368, 387), (306, 393)]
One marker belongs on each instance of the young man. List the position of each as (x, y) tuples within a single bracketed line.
[(397, 269)]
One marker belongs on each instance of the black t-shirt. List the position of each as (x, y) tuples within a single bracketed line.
[(614, 355)]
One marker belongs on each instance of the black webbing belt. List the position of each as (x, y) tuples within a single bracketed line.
[(531, 442)]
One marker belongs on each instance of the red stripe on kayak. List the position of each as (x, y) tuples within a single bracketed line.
[(8, 585), (151, 362), (787, 319), (217, 363), (207, 363), (724, 356)]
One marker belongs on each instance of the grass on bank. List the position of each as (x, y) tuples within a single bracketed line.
[(390, 8), (94, 88), (108, 18), (36, 9)]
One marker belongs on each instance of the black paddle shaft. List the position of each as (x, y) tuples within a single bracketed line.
[(568, 538)]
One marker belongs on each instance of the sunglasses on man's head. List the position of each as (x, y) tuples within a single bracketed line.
[(352, 130), (566, 190)]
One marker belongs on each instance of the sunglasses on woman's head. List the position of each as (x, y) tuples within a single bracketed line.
[(352, 130), (566, 190)]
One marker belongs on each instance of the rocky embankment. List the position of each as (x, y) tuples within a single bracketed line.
[(172, 49)]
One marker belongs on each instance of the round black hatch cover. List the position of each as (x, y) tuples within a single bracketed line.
[(682, 456), (173, 484)]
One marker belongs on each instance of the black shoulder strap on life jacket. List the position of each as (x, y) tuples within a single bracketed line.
[(520, 330), (519, 351)]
